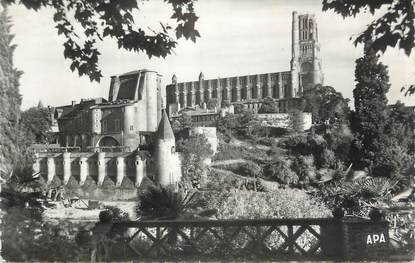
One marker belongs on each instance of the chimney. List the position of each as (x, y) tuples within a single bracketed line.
[(73, 103)]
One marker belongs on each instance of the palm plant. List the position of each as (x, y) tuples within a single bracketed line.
[(165, 203), (360, 196)]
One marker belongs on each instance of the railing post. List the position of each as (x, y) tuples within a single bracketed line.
[(332, 241), (258, 238), (290, 235)]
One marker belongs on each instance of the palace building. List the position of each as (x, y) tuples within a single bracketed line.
[(113, 144), (131, 113), (285, 87)]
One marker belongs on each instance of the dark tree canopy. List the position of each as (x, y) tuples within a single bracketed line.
[(401, 125), (212, 103), (14, 141), (393, 27), (101, 19), (269, 105), (37, 121), (371, 113), (326, 105)]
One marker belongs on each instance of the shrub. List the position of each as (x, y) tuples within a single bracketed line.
[(194, 151), (250, 169), (269, 105), (327, 159), (239, 108), (117, 213), (265, 141), (281, 203), (260, 205), (297, 121), (391, 160), (339, 139), (227, 151), (159, 202), (304, 167), (279, 170), (312, 144)]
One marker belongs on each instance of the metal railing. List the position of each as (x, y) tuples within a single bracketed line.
[(229, 239), (109, 149), (54, 149)]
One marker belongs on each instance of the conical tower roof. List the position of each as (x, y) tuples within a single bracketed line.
[(164, 131)]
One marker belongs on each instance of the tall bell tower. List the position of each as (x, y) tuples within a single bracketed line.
[(306, 70)]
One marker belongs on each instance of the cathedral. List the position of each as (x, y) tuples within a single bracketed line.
[(285, 87)]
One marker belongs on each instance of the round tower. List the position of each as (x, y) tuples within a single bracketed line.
[(166, 160), (152, 93)]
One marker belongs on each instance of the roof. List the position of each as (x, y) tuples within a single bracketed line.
[(114, 104), (69, 111), (164, 130), (231, 77), (133, 72), (78, 108)]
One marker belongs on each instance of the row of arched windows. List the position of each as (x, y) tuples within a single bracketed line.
[(255, 93)]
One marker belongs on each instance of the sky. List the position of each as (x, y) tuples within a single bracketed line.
[(238, 37)]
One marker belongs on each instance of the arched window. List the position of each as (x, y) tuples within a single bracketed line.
[(243, 92), (225, 94), (206, 96), (189, 99), (275, 91), (234, 94), (215, 93), (265, 91), (254, 92), (198, 95)]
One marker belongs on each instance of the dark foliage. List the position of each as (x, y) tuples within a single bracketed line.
[(393, 27), (269, 105), (182, 123), (212, 103), (296, 120), (279, 170), (164, 203), (101, 19), (37, 122), (326, 105), (370, 117), (401, 125), (194, 149), (14, 142)]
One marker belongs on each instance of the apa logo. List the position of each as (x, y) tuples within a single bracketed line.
[(375, 238)]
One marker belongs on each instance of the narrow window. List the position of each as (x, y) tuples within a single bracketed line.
[(104, 125), (117, 125)]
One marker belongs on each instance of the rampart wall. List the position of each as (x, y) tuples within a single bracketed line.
[(120, 168)]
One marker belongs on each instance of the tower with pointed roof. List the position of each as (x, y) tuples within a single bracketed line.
[(167, 162)]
